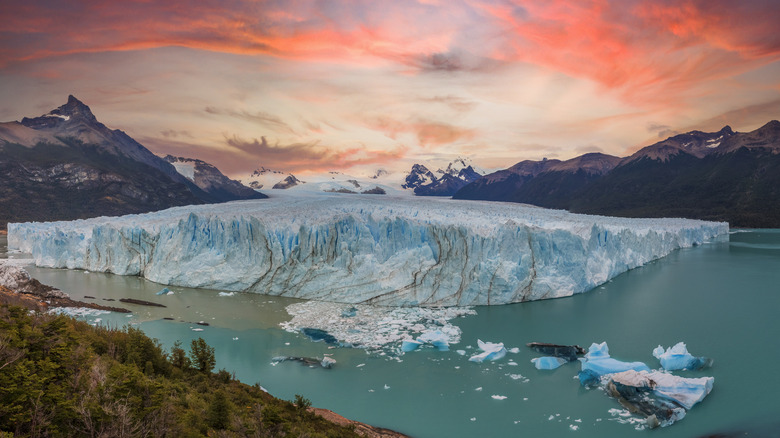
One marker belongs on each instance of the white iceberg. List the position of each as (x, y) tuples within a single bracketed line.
[(598, 362), (365, 249), (327, 362), (490, 351), (440, 340), (678, 358), (548, 362)]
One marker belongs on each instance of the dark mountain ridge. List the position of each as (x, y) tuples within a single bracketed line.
[(724, 175), (67, 165)]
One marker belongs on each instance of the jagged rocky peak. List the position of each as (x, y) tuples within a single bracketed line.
[(418, 176), (290, 181), (379, 173), (74, 110), (263, 171)]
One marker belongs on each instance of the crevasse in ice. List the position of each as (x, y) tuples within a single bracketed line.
[(365, 249)]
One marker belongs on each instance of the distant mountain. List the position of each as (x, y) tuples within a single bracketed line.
[(263, 178), (209, 179), (67, 165), (724, 175), (426, 183)]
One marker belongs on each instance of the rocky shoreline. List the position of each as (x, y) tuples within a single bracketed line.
[(17, 287)]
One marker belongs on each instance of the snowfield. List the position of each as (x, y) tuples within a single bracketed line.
[(372, 249)]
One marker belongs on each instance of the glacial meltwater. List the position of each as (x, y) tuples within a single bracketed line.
[(721, 299)]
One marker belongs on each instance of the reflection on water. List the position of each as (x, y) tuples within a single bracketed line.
[(721, 299)]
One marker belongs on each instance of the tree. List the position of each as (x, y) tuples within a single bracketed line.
[(218, 411), (179, 357), (202, 355)]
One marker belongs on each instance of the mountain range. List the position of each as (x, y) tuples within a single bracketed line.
[(444, 182), (67, 165), (724, 175)]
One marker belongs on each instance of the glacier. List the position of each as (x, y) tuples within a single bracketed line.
[(386, 250)]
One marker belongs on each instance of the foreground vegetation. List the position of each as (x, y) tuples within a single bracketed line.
[(63, 377)]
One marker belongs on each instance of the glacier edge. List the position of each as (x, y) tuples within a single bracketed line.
[(389, 251)]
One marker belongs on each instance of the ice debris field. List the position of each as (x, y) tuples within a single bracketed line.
[(365, 249)]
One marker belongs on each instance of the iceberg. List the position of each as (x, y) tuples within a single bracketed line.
[(548, 362), (365, 249), (678, 358), (163, 291), (597, 362), (663, 398), (490, 351), (439, 340)]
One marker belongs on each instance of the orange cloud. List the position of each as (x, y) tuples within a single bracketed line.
[(427, 132), (640, 46)]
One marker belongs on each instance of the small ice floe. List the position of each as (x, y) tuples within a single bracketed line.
[(163, 291), (360, 365), (547, 362), (598, 363), (235, 338), (226, 294), (473, 419), (498, 397), (387, 386), (197, 329), (514, 350), (327, 362), (437, 338), (573, 427), (461, 352), (512, 363), (490, 351), (520, 377), (478, 389), (678, 358)]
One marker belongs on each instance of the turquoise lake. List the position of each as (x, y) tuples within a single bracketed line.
[(721, 299)]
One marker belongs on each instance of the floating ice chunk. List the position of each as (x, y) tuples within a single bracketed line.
[(597, 362), (573, 427), (163, 291), (327, 362), (436, 338), (514, 350), (678, 358), (685, 391), (197, 329), (547, 362), (498, 397), (490, 351), (226, 294), (461, 352), (410, 345)]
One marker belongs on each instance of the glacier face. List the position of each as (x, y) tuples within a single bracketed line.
[(365, 249)]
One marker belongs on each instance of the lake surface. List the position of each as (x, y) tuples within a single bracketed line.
[(721, 299)]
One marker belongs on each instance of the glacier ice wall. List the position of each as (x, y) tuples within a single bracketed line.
[(364, 249)]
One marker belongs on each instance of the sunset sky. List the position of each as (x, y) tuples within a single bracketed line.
[(355, 86)]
